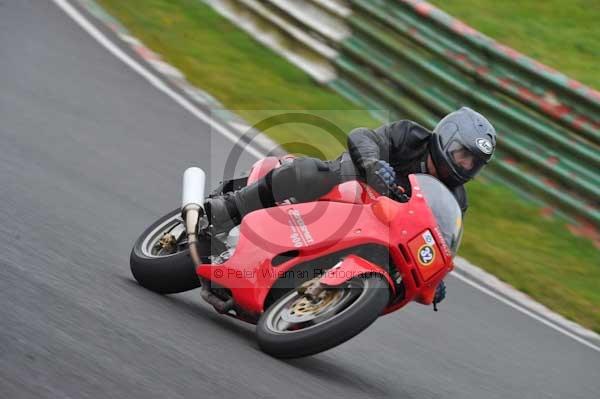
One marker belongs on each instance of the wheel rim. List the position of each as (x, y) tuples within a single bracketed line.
[(166, 239), (294, 312)]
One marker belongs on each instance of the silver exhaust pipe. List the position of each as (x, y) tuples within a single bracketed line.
[(192, 211), (194, 180), (192, 201)]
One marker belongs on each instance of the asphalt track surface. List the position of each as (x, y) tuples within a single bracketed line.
[(90, 153)]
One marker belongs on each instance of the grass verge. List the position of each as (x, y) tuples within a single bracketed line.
[(561, 34), (504, 234)]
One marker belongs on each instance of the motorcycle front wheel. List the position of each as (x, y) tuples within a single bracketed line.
[(296, 326)]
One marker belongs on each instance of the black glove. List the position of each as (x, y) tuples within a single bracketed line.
[(381, 176), (440, 294)]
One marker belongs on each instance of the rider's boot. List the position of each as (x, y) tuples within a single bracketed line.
[(222, 213), (226, 211)]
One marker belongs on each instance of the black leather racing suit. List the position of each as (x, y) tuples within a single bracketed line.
[(404, 144)]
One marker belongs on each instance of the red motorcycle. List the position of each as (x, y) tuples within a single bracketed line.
[(309, 275)]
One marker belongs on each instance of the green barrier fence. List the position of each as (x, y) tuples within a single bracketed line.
[(409, 57)]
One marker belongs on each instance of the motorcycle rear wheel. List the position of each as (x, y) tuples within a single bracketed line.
[(165, 272), (359, 303)]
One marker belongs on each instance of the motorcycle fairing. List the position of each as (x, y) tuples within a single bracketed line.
[(350, 267), (262, 167), (312, 230)]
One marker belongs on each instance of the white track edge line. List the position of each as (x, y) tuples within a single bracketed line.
[(155, 81), (159, 84)]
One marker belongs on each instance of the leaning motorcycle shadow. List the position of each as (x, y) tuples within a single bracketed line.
[(330, 371), (203, 313)]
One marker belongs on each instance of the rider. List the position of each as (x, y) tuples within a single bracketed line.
[(460, 145)]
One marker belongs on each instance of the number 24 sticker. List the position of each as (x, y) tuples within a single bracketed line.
[(426, 255)]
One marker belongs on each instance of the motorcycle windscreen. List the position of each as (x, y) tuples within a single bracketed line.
[(444, 207)]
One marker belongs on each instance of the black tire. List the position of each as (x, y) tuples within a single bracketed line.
[(164, 274), (342, 326)]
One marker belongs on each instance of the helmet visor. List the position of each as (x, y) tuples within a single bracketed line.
[(463, 160)]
